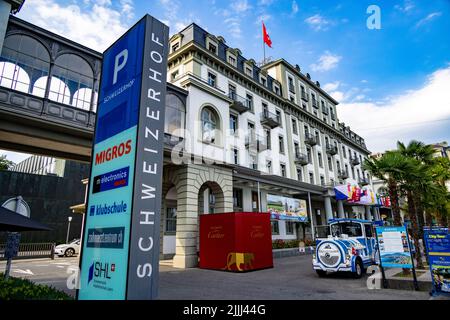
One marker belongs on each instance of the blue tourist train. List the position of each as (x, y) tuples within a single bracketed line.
[(350, 246)]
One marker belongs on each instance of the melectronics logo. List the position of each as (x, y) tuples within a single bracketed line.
[(111, 180), (113, 153)]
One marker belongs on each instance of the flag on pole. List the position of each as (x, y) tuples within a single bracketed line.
[(266, 36)]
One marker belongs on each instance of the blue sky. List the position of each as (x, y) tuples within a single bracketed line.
[(383, 78)]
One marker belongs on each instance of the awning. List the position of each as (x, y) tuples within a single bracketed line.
[(14, 222)]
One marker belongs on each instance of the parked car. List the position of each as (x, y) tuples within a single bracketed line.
[(68, 249), (350, 247)]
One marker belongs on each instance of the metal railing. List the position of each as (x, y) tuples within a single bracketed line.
[(331, 149), (272, 119), (31, 250), (301, 158), (342, 174), (239, 103), (354, 161), (310, 139)]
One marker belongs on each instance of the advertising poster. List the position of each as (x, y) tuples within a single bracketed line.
[(437, 241), (394, 247), (283, 208)]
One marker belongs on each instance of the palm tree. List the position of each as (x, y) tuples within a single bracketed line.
[(391, 168)]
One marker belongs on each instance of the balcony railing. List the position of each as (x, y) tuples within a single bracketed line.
[(270, 119), (310, 139), (240, 104), (301, 159), (342, 174), (255, 142), (363, 181), (354, 161), (304, 96), (331, 149)]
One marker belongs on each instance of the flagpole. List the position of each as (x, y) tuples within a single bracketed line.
[(264, 47)]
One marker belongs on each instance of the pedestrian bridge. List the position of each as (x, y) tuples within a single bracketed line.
[(48, 93)]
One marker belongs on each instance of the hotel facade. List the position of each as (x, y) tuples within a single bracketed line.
[(250, 135)]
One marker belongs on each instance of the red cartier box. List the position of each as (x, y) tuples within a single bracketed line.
[(235, 241)]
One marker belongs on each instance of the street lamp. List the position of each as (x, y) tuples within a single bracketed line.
[(68, 229)]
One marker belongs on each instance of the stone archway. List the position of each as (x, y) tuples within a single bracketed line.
[(188, 181)]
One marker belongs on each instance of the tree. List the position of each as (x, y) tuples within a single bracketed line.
[(391, 168), (4, 163)]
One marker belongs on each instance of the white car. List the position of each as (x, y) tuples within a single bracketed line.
[(68, 250)]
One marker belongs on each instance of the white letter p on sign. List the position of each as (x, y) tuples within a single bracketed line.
[(117, 67)]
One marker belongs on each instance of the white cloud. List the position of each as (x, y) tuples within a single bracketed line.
[(240, 6), (96, 25), (416, 114), (264, 17), (234, 27), (294, 7), (428, 18), (332, 86), (317, 22), (326, 62), (407, 6)]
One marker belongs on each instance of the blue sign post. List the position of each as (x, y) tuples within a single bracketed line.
[(437, 241), (120, 247)]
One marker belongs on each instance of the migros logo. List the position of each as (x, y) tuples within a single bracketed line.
[(112, 153)]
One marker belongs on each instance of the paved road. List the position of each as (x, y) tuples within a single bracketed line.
[(291, 278)]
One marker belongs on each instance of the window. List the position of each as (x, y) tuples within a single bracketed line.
[(175, 47), (299, 174), (263, 81), (281, 144), (233, 123), (235, 156), (306, 130), (296, 148), (304, 106), (174, 75), (212, 79), (330, 164), (311, 178), (344, 153), (212, 48), (322, 180), (289, 227), (275, 227), (319, 157), (352, 229), (358, 173), (291, 85), (276, 89), (250, 102), (171, 220), (291, 97), (175, 115), (269, 166), (318, 138), (253, 162), (353, 173), (368, 230), (308, 152), (360, 159), (209, 124), (249, 71), (278, 112), (268, 140), (283, 170), (338, 165), (232, 60), (294, 126), (237, 198), (232, 91), (346, 168)]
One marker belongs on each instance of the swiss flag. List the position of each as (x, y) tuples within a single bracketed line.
[(266, 36)]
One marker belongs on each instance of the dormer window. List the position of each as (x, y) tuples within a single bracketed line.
[(212, 48), (263, 81), (231, 58), (249, 71), (175, 47), (276, 89)]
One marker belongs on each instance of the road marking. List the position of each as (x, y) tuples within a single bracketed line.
[(42, 265), (28, 271)]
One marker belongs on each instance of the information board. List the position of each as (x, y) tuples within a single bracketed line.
[(120, 245), (437, 241), (393, 244)]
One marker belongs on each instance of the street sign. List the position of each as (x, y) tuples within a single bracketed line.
[(437, 241), (12, 245), (120, 249)]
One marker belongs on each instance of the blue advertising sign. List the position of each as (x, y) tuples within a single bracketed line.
[(437, 241), (393, 244), (120, 245)]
